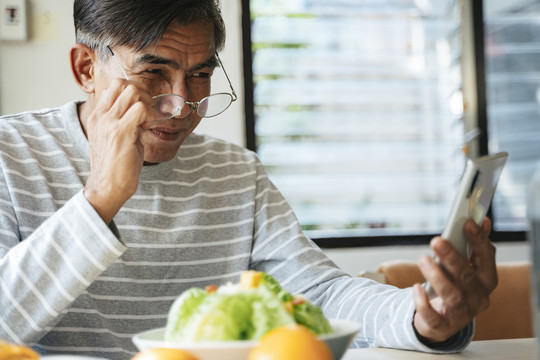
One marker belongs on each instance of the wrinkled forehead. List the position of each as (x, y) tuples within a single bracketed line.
[(182, 42), (197, 36)]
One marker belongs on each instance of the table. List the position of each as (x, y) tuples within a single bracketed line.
[(511, 349)]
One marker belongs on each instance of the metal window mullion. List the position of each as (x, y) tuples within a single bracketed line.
[(473, 73)]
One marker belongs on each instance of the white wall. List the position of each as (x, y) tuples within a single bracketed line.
[(230, 125), (36, 73)]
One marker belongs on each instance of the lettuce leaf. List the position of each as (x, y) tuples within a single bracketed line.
[(220, 317), (268, 313), (181, 311), (237, 313), (312, 317)]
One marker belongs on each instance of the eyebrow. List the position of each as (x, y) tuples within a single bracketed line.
[(159, 60)]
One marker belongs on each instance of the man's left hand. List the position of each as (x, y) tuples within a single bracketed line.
[(463, 290)]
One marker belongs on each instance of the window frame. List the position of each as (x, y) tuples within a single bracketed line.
[(479, 146)]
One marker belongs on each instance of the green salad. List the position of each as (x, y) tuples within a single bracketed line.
[(244, 311)]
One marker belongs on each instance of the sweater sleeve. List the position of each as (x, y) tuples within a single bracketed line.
[(385, 313), (43, 274)]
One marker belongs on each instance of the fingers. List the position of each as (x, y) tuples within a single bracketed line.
[(456, 266), (478, 234), (463, 285), (469, 291), (481, 265), (427, 321), (111, 93), (126, 99), (443, 284), (441, 317), (120, 97), (134, 116), (486, 226), (116, 153), (482, 259)]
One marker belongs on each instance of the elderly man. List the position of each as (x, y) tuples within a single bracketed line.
[(111, 207)]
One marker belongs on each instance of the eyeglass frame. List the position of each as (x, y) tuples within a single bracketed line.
[(193, 105)]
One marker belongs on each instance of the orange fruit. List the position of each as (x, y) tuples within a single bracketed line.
[(294, 342), (15, 352), (164, 354)]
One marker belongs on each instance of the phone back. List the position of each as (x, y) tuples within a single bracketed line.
[(474, 197)]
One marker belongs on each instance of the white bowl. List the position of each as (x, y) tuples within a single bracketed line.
[(338, 342), (70, 357)]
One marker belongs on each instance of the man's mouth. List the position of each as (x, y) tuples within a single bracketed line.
[(166, 134)]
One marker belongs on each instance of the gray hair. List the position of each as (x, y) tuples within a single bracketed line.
[(140, 23)]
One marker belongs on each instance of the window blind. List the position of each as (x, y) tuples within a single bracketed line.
[(512, 53), (358, 111)]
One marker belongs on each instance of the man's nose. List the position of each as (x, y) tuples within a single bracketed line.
[(180, 88)]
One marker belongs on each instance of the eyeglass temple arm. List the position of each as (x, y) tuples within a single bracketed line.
[(227, 76), (118, 63)]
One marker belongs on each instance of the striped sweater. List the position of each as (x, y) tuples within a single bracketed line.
[(73, 284)]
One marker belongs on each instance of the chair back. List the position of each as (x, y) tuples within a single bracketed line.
[(509, 315)]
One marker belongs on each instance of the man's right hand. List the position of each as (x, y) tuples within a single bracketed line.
[(116, 154)]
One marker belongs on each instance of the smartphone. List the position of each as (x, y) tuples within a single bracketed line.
[(472, 201)]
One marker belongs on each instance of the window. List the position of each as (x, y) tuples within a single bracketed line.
[(358, 112), (512, 58)]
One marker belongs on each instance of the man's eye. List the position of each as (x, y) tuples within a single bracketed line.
[(201, 75), (153, 71)]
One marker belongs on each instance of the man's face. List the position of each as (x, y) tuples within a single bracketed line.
[(182, 63)]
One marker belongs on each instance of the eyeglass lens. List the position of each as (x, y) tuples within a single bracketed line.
[(170, 105)]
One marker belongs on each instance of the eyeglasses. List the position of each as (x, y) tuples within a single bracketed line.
[(168, 106)]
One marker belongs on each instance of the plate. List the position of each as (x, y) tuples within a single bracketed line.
[(338, 342), (70, 357)]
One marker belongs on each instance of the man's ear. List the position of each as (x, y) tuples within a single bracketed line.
[(82, 60)]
